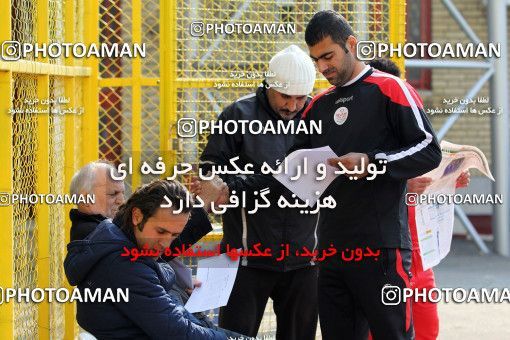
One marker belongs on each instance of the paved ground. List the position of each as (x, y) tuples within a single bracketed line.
[(465, 267)]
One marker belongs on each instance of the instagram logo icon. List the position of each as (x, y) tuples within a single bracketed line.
[(391, 295)]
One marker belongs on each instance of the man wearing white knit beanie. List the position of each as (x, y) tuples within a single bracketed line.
[(292, 75), (288, 279)]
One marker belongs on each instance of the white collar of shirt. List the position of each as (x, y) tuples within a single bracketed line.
[(365, 70)]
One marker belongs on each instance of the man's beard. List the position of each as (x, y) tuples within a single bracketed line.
[(287, 115), (339, 79)]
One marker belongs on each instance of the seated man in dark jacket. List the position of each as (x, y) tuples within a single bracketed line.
[(95, 178), (96, 262)]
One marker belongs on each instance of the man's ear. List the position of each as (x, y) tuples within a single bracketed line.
[(136, 216), (351, 43)]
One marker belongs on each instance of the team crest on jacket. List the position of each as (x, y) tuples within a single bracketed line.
[(341, 115)]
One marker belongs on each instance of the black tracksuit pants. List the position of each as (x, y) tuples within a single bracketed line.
[(294, 295), (352, 292)]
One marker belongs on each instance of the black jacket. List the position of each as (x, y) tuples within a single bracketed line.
[(272, 227), (382, 116), (83, 224), (152, 312)]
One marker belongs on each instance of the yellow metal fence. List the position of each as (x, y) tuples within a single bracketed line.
[(39, 154), (130, 108)]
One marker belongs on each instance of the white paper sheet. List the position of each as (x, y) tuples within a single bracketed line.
[(434, 222), (217, 275), (307, 185)]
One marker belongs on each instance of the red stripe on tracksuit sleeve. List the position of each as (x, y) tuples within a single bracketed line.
[(401, 272), (416, 263), (389, 87)]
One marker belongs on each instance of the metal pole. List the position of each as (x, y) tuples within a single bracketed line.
[(471, 93), (361, 10), (440, 135), (326, 4), (246, 4), (191, 108), (462, 22), (7, 279), (500, 126), (471, 229)]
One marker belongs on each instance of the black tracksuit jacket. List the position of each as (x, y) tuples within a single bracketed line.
[(273, 226), (379, 115)]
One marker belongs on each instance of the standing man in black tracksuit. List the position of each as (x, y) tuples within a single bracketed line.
[(371, 117), (291, 281)]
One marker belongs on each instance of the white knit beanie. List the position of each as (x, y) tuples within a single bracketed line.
[(294, 72)]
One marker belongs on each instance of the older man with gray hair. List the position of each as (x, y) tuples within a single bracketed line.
[(95, 179)]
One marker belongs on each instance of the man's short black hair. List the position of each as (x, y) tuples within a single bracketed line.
[(148, 198), (385, 65), (328, 23)]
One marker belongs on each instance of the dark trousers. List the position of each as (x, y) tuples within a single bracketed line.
[(294, 296), (352, 292)]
